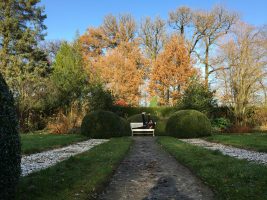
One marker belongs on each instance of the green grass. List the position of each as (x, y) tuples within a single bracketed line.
[(79, 177), (253, 141), (228, 177), (33, 143)]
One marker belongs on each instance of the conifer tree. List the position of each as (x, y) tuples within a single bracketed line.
[(22, 63), (21, 28)]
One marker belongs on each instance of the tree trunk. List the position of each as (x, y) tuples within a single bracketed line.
[(168, 96), (207, 66)]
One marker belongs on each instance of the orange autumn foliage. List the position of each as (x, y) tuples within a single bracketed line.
[(97, 42), (122, 70), (113, 32), (171, 72), (93, 43)]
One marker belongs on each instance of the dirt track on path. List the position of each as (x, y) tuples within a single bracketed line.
[(148, 172)]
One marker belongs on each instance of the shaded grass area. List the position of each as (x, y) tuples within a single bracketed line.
[(79, 177), (33, 143), (229, 178), (253, 141)]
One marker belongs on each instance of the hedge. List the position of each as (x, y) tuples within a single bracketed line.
[(9, 143)]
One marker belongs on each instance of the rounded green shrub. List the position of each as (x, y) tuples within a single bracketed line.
[(188, 124), (9, 144), (104, 124), (160, 127), (127, 127)]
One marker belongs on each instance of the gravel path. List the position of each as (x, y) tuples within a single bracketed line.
[(149, 173), (258, 157), (35, 162)]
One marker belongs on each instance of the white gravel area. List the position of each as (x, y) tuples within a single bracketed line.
[(38, 161), (258, 157)]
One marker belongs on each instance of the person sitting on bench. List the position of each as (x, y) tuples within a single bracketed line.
[(149, 124)]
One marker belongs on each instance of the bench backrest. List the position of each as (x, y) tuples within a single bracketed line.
[(136, 124)]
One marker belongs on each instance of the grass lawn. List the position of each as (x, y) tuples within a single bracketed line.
[(33, 143), (253, 141), (79, 177), (229, 178)]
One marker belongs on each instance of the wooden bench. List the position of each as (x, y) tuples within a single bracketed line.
[(136, 130)]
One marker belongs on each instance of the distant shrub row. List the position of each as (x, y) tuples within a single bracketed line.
[(181, 124)]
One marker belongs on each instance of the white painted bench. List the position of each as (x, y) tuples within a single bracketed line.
[(136, 130)]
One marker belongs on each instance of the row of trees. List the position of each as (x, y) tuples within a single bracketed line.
[(130, 62), (159, 58), (114, 55), (47, 78)]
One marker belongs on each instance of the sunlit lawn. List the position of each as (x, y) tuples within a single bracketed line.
[(229, 177), (79, 177), (37, 142), (253, 141)]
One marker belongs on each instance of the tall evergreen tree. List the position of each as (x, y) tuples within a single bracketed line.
[(22, 63), (68, 75), (21, 27)]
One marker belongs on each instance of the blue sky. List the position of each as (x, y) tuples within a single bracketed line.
[(65, 17)]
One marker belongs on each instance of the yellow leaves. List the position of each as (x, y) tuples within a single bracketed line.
[(113, 56), (171, 71), (92, 43), (122, 71)]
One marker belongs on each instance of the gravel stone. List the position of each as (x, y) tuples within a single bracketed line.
[(38, 161), (249, 155)]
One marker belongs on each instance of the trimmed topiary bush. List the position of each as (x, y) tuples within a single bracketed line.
[(161, 126), (127, 127), (188, 124), (9, 144), (104, 124)]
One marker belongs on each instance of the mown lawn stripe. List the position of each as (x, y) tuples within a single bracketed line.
[(253, 141), (79, 177), (229, 178), (34, 143)]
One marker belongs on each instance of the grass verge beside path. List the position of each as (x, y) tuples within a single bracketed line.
[(34, 143), (79, 177), (253, 141), (229, 178)]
